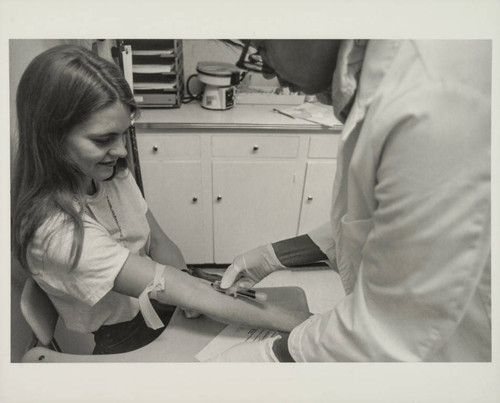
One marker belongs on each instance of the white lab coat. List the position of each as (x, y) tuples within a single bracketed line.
[(410, 222)]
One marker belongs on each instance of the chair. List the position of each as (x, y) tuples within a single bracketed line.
[(40, 314), (42, 317)]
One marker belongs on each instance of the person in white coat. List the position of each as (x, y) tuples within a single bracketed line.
[(410, 219)]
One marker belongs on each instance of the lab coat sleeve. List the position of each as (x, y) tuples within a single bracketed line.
[(424, 255), (323, 238)]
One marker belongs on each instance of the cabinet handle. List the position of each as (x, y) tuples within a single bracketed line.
[(309, 198), (195, 199), (255, 147), (219, 197), (155, 148)]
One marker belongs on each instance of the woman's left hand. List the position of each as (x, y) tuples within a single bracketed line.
[(190, 314)]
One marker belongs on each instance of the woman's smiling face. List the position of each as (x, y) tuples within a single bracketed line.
[(96, 144)]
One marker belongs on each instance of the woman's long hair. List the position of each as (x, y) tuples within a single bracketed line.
[(61, 88)]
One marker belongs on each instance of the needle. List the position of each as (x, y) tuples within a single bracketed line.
[(256, 295)]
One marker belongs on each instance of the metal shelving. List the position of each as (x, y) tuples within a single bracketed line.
[(154, 70)]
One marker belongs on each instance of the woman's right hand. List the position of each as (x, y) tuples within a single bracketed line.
[(249, 268)]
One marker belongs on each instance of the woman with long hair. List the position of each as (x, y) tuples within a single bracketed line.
[(80, 224)]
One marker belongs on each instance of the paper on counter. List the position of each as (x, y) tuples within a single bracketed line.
[(230, 336), (312, 112)]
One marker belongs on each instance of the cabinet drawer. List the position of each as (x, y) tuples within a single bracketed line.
[(164, 147), (324, 146), (255, 146)]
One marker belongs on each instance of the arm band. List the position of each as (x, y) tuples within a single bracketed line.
[(158, 284), (300, 250)]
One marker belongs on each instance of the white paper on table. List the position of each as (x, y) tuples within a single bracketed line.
[(312, 112), (230, 336)]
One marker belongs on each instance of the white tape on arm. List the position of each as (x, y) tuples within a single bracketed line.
[(158, 284)]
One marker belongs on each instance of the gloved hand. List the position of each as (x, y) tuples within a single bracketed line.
[(257, 351), (251, 267)]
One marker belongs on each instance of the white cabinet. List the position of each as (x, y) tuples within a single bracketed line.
[(255, 188), (173, 192), (218, 193), (318, 185), (256, 146), (172, 179), (256, 202), (316, 201)]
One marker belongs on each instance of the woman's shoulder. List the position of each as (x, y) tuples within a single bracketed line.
[(55, 234), (124, 189), (123, 181), (53, 221), (56, 226), (122, 178)]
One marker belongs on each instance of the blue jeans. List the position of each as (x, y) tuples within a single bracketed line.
[(127, 336)]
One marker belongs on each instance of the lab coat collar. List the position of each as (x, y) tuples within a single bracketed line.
[(361, 66), (378, 58), (346, 76)]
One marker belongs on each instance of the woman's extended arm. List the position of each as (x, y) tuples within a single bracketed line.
[(192, 293), (163, 250)]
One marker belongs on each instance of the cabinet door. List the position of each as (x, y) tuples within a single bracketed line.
[(316, 202), (255, 202), (173, 192)]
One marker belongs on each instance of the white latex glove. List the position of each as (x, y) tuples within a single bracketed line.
[(257, 351), (251, 267)]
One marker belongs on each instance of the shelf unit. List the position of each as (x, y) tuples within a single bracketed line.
[(154, 69)]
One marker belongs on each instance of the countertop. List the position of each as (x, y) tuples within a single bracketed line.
[(246, 116)]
